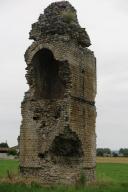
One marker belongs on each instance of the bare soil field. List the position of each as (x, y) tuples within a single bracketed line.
[(112, 160)]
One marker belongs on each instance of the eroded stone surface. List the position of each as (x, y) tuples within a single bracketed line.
[(59, 18), (57, 135)]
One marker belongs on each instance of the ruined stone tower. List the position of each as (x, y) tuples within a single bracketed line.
[(57, 135)]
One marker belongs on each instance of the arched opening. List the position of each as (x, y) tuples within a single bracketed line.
[(67, 145), (48, 84)]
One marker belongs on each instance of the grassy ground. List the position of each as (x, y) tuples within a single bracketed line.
[(112, 176), (8, 166), (37, 188), (110, 172)]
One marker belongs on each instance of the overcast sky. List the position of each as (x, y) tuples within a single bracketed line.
[(106, 22)]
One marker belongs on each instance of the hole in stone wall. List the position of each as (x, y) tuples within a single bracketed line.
[(48, 84), (41, 155), (67, 145), (57, 112), (36, 118)]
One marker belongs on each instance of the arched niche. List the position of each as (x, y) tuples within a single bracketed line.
[(67, 145), (48, 84)]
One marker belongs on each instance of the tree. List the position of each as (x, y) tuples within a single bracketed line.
[(5, 145), (107, 151), (99, 152), (121, 151), (103, 151), (12, 152), (124, 151)]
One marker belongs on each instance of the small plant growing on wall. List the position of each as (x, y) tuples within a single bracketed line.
[(68, 16)]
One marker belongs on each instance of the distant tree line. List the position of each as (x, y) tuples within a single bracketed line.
[(5, 145), (10, 151), (101, 152), (124, 151)]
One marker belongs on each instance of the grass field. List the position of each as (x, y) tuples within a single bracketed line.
[(8, 166), (112, 176), (37, 188), (112, 169)]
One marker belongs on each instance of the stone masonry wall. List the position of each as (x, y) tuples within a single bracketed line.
[(57, 135)]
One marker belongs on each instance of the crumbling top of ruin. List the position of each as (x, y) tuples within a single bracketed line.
[(60, 18)]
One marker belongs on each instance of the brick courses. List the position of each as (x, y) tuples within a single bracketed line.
[(57, 135)]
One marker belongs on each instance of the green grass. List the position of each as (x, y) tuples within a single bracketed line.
[(110, 178), (111, 172), (36, 188), (8, 165)]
